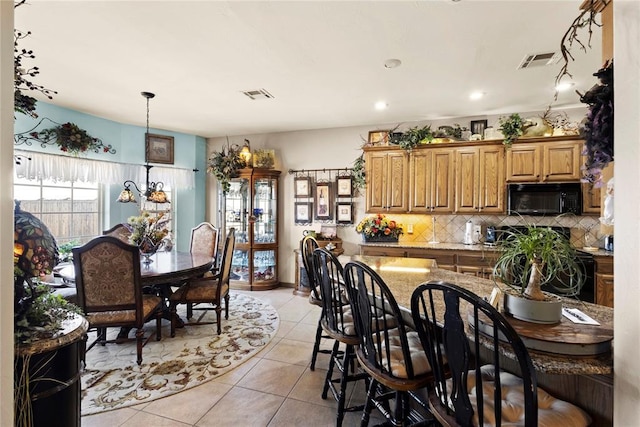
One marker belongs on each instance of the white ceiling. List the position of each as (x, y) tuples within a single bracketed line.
[(323, 61)]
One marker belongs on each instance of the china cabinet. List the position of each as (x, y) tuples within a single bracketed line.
[(251, 207)]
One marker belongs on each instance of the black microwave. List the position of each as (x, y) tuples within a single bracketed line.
[(544, 199)]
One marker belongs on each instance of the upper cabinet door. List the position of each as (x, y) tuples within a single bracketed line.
[(561, 161), (387, 181), (467, 174), (431, 181), (491, 185), (523, 163)]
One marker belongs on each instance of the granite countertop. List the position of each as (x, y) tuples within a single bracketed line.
[(445, 246), (449, 246), (73, 329), (403, 281)]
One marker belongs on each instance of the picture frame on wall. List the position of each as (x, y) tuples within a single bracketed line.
[(158, 149), (343, 186), (302, 187), (344, 213), (323, 201), (302, 212), (378, 137), (478, 127)]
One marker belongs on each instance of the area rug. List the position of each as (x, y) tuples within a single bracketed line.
[(112, 379)]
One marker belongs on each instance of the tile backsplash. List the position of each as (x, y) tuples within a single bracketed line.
[(450, 228)]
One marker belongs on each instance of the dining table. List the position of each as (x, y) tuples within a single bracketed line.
[(584, 379), (164, 270)]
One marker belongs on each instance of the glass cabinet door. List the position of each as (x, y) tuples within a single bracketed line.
[(240, 266), (265, 210), (264, 265), (236, 207)]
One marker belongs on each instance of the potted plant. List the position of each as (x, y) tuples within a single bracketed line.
[(415, 136), (225, 164), (511, 128), (528, 260), (46, 354)]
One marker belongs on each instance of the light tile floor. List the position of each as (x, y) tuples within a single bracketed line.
[(273, 388)]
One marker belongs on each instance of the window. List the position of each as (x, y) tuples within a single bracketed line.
[(70, 210)]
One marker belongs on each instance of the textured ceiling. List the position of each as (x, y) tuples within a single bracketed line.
[(323, 61)]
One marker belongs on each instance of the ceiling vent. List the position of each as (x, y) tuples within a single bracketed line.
[(539, 59), (258, 94)]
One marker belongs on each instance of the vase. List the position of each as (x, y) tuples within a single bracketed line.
[(148, 248), (380, 239)]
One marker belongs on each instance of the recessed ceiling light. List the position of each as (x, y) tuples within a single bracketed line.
[(474, 96), (381, 105), (392, 63), (564, 86)]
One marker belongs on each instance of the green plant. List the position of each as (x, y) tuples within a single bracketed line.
[(225, 164), (44, 315), (358, 178), (415, 136), (533, 257), (511, 128), (64, 250)]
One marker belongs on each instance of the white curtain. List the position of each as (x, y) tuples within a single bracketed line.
[(66, 168)]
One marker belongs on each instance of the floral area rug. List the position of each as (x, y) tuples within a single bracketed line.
[(112, 379)]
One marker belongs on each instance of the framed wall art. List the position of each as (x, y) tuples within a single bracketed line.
[(478, 127), (302, 212), (158, 149), (324, 201), (378, 137), (344, 213), (343, 185), (302, 187)]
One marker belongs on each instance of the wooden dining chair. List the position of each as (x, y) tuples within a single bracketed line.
[(121, 231), (455, 325), (204, 240), (206, 290), (107, 275), (389, 351), (337, 322), (307, 245)]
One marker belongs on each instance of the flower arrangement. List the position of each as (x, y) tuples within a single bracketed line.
[(148, 227), (379, 225), (225, 164), (71, 139)]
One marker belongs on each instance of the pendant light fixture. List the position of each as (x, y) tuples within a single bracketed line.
[(153, 190)]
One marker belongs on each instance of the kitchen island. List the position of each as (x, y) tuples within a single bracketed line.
[(584, 380)]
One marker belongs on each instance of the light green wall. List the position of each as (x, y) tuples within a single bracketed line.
[(128, 141)]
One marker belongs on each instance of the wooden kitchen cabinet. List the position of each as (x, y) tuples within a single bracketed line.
[(561, 161), (444, 259), (474, 263), (523, 162), (551, 161), (431, 181), (604, 280), (387, 178), (479, 180), (591, 199)]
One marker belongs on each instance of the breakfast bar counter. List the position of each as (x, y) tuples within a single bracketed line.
[(586, 381), (403, 275)]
